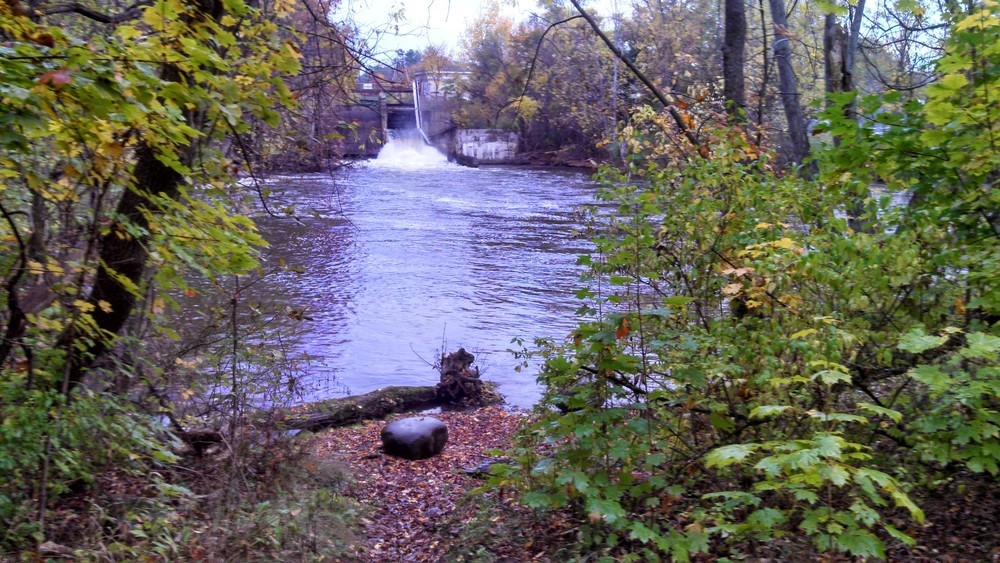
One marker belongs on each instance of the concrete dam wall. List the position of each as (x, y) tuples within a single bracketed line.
[(487, 146)]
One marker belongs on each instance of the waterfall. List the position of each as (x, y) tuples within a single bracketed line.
[(405, 149)]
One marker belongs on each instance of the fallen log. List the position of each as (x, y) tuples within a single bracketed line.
[(460, 386), (348, 410)]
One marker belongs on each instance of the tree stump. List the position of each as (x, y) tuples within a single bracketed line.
[(459, 382)]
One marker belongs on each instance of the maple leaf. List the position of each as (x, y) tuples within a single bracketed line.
[(57, 78), (623, 329)]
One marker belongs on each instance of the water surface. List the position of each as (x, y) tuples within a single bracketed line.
[(408, 253)]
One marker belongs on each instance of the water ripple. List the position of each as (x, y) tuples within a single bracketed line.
[(401, 259)]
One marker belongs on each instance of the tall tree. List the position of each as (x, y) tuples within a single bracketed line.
[(115, 148), (839, 54), (734, 57), (789, 89)]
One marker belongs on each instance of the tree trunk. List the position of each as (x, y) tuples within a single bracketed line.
[(123, 253), (839, 56), (459, 385), (370, 406), (797, 129), (733, 59), (122, 263), (833, 55), (857, 12)]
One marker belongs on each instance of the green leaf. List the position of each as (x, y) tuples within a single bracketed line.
[(981, 345), (830, 377), (805, 495), (931, 376), (860, 543), (537, 499), (770, 465), (728, 455), (641, 532), (765, 411), (608, 510), (891, 414), (897, 534), (829, 445), (677, 301), (767, 518), (952, 82), (697, 542), (917, 341), (662, 312), (835, 474), (837, 417)]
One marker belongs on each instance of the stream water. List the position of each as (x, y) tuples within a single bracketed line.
[(408, 254)]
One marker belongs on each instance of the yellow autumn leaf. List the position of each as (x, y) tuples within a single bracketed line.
[(980, 20), (84, 306), (803, 333), (732, 289), (785, 243), (112, 149)]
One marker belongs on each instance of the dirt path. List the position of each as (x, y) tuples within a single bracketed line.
[(414, 514)]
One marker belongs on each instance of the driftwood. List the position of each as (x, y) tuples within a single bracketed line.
[(374, 405), (458, 380), (460, 385)]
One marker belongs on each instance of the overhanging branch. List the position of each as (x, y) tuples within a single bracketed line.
[(659, 94), (130, 13)]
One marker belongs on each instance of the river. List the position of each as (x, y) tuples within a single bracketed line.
[(408, 254)]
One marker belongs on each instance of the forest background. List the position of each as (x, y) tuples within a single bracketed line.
[(787, 333)]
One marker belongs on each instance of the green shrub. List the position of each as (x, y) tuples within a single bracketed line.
[(747, 368)]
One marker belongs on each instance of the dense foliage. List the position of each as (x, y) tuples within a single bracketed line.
[(748, 368), (116, 200), (547, 78), (759, 358), (552, 79)]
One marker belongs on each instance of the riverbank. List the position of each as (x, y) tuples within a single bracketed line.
[(333, 496), (559, 159), (546, 159), (420, 510)]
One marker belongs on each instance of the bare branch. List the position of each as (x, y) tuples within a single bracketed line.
[(130, 13)]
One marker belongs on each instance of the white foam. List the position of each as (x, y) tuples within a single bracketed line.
[(405, 150)]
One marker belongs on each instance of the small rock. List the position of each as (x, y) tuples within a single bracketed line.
[(417, 437), (52, 548), (483, 469)]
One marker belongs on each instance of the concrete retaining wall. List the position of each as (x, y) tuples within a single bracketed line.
[(488, 146), (361, 134)]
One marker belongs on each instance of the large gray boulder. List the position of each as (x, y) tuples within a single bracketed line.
[(417, 437)]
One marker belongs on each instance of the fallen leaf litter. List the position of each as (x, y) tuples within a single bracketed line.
[(413, 501)]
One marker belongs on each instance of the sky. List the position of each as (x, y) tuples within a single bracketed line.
[(417, 24)]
